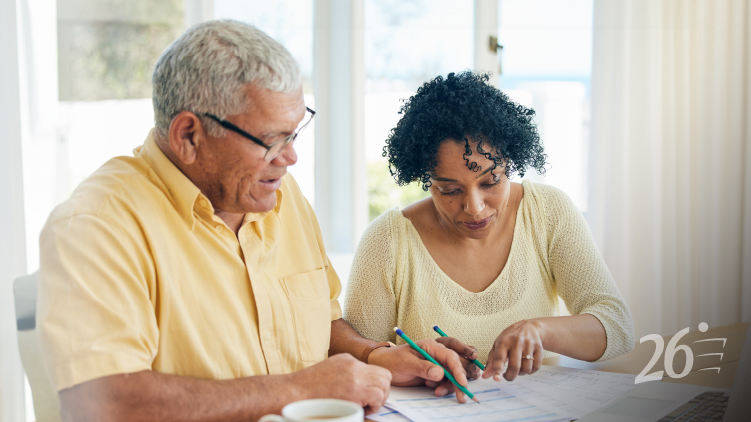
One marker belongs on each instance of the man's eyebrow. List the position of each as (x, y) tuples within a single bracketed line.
[(275, 134)]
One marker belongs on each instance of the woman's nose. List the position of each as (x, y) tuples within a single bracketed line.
[(474, 203)]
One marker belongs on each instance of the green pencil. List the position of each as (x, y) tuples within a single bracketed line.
[(475, 361), (430, 358)]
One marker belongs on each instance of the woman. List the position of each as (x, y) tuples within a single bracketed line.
[(483, 258)]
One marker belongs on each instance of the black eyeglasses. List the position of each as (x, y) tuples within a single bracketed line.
[(273, 149)]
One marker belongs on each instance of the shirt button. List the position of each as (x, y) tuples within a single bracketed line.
[(218, 228), (267, 334)]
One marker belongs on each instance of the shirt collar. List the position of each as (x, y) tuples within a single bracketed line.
[(181, 190), (257, 216), (184, 194)]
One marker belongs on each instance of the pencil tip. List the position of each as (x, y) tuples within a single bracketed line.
[(475, 399)]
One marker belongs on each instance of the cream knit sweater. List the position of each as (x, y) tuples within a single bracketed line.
[(395, 282)]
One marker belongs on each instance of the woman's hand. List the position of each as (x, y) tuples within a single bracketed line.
[(515, 344)]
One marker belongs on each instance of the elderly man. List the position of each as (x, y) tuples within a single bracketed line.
[(190, 281)]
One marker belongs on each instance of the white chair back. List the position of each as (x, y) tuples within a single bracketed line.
[(46, 402)]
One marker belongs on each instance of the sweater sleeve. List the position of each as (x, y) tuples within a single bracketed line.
[(582, 278), (370, 303)]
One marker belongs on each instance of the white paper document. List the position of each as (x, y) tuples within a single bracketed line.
[(552, 394), (385, 414), (499, 401), (582, 389)]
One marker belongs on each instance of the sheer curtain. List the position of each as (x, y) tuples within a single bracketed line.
[(670, 158)]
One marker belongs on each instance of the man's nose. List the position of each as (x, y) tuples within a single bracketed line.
[(287, 157)]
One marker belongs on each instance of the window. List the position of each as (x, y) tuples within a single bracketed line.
[(106, 52), (547, 57), (291, 23), (406, 44), (102, 108)]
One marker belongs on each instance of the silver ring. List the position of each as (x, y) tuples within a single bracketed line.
[(528, 357)]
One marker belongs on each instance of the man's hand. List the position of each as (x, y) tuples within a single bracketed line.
[(408, 368), (517, 342), (344, 377)]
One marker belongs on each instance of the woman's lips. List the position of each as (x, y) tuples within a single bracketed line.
[(477, 225)]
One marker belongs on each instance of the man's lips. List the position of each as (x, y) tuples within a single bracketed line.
[(477, 225), (271, 184)]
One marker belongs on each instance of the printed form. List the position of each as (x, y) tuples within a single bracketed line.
[(552, 394), (499, 401), (583, 389)]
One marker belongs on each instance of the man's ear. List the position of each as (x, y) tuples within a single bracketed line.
[(185, 134)]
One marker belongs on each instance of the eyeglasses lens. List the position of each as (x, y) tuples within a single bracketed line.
[(276, 149)]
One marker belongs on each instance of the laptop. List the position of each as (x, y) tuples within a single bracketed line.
[(668, 402)]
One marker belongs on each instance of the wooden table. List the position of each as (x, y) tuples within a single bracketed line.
[(635, 361)]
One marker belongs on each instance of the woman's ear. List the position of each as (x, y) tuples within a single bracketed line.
[(185, 135)]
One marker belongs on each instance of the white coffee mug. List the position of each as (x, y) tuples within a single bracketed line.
[(330, 410)]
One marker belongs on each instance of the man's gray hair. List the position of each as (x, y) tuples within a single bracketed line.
[(205, 70)]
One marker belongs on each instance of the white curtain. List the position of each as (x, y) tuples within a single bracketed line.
[(670, 158)]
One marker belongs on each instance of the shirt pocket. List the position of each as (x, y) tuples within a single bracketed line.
[(308, 295)]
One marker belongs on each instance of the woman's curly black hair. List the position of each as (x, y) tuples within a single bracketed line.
[(462, 107)]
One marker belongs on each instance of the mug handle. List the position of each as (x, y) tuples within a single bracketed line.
[(272, 418)]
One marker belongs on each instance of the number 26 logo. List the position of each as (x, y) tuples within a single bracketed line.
[(670, 352)]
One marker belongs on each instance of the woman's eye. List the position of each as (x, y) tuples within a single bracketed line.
[(450, 192), (489, 185)]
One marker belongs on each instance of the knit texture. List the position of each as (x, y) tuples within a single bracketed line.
[(395, 282)]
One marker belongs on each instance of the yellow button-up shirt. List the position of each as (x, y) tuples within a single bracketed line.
[(138, 273)]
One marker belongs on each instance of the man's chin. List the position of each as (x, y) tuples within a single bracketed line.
[(261, 205)]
